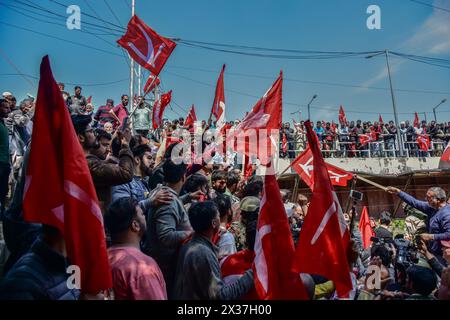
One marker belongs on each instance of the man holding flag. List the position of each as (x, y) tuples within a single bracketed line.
[(324, 239), (67, 207)]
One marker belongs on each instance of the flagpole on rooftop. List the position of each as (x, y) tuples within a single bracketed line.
[(131, 66)]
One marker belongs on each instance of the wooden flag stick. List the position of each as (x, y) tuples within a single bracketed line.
[(284, 171), (371, 182)]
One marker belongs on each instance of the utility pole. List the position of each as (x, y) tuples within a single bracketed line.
[(394, 106)]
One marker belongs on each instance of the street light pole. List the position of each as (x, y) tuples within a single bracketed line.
[(309, 106), (399, 137), (434, 109)]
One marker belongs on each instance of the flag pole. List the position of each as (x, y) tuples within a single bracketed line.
[(371, 182), (131, 75), (347, 204), (284, 171)]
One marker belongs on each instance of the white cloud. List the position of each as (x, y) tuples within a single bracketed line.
[(432, 37), (395, 66)]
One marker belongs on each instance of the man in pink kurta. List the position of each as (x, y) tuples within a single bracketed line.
[(120, 111), (135, 275)]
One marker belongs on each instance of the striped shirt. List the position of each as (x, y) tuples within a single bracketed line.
[(103, 115)]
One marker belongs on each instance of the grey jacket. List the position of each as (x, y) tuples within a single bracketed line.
[(167, 227), (198, 274)]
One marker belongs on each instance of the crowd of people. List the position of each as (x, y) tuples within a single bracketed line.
[(367, 139), (177, 231)]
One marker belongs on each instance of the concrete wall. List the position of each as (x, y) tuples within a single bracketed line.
[(384, 166)]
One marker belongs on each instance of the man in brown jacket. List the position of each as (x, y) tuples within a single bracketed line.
[(104, 174)]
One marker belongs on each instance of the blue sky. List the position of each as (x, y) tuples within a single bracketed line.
[(327, 25)]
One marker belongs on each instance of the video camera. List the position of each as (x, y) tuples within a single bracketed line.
[(406, 251)]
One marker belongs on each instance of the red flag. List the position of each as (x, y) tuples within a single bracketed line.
[(145, 46), (423, 140), (151, 83), (416, 120), (89, 100), (234, 266), (303, 166), (444, 162), (365, 228), (266, 114), (380, 119), (274, 249), (365, 139), (284, 143), (158, 109), (267, 111), (218, 108), (324, 238), (191, 118), (247, 167), (342, 117), (65, 197), (333, 127)]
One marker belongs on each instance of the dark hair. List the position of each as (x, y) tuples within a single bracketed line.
[(223, 203), (194, 182), (124, 95), (140, 150), (4, 101), (80, 122), (250, 234), (77, 87), (385, 218), (168, 153), (423, 280), (218, 175), (120, 214), (102, 134), (382, 252), (232, 178), (253, 187), (116, 145), (201, 214), (173, 173)]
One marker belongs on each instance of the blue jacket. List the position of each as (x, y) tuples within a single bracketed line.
[(38, 275), (136, 188), (438, 221)]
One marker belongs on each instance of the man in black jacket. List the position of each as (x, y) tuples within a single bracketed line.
[(198, 274), (41, 273)]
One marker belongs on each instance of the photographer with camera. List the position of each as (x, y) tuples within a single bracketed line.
[(438, 212)]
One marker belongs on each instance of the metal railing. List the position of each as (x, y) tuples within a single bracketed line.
[(374, 149)]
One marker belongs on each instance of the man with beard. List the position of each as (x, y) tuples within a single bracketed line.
[(76, 102), (135, 275), (104, 174), (103, 145), (219, 182), (120, 112), (138, 186)]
